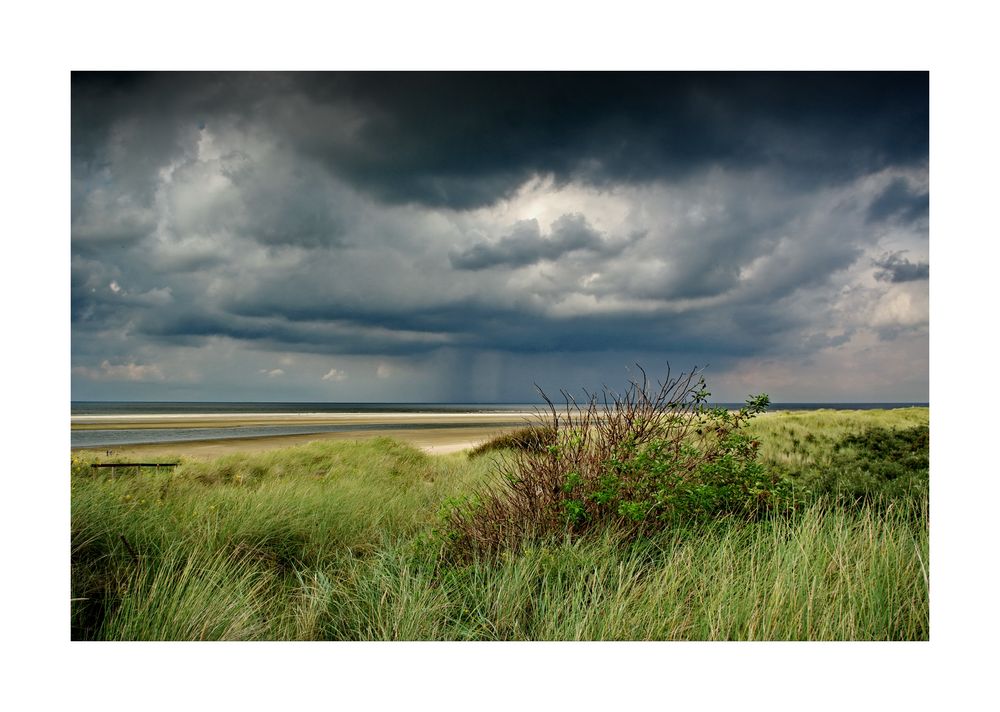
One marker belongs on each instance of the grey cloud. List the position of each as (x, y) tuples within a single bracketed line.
[(267, 198), (284, 203), (893, 267), (334, 214), (102, 214), (750, 239), (463, 140), (498, 129), (485, 323), (120, 372), (187, 327), (795, 245), (899, 202), (525, 245)]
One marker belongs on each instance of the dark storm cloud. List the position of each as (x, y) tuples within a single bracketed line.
[(463, 140), (899, 202), (525, 245), (103, 295), (794, 244), (479, 324), (125, 127), (278, 333), (893, 267), (717, 217)]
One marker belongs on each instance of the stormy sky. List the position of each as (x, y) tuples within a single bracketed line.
[(461, 236)]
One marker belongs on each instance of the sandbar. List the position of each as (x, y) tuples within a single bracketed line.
[(441, 433), (229, 420)]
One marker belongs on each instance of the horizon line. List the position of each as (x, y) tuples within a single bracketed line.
[(801, 402)]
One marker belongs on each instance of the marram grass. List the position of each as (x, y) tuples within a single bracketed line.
[(335, 541), (827, 575)]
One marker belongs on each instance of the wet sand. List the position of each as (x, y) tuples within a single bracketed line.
[(451, 432), (229, 420)]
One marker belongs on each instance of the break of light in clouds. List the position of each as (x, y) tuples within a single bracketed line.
[(457, 237)]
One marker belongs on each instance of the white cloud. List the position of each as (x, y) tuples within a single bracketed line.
[(334, 374), (121, 372), (272, 373)]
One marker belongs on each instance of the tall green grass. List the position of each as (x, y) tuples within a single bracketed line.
[(194, 593), (873, 455), (829, 574), (798, 440), (282, 512), (337, 541)]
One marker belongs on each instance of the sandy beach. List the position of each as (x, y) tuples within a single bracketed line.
[(440, 433), (436, 433)]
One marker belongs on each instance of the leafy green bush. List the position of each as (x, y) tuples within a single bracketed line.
[(639, 461)]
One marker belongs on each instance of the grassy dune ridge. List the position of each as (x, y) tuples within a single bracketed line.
[(799, 439), (337, 540)]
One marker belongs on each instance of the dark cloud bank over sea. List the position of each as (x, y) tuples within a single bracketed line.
[(460, 236)]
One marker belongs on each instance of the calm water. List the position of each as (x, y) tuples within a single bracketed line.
[(125, 436), (137, 436), (186, 408), (101, 438)]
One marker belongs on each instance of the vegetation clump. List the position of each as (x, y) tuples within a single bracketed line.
[(637, 462), (877, 465), (334, 541), (530, 439)]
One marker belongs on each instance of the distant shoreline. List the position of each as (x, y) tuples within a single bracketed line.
[(435, 432), (285, 417), (438, 440), (270, 408), (216, 433)]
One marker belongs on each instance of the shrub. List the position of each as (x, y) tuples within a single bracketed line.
[(877, 465), (531, 439), (637, 461)]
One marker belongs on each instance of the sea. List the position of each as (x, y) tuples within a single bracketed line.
[(118, 436)]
